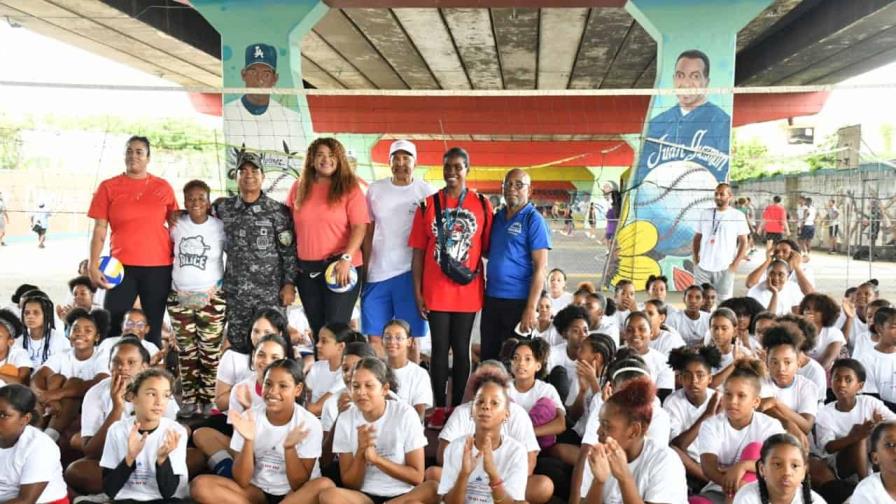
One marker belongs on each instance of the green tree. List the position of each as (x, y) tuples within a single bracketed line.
[(748, 159)]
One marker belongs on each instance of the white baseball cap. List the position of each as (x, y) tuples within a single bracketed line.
[(403, 145)]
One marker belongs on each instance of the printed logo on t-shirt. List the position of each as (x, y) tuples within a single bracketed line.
[(459, 238), (193, 251), (515, 229)]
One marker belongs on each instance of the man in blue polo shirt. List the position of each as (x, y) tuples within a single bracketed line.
[(517, 264)]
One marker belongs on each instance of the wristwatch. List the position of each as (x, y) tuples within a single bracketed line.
[(345, 257)]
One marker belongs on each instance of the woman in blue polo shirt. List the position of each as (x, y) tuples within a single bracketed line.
[(517, 266)]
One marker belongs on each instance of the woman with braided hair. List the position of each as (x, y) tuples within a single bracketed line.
[(783, 475), (41, 338)]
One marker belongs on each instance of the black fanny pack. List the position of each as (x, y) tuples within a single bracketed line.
[(457, 271)]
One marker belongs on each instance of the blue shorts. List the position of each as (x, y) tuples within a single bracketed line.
[(391, 299)]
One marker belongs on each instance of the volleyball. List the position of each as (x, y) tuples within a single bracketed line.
[(333, 285), (112, 269)]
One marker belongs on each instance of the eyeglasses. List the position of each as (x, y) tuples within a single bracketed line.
[(519, 186), (134, 325)]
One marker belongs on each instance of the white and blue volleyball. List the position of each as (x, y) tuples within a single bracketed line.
[(112, 269), (333, 285)]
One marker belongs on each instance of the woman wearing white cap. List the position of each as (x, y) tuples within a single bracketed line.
[(389, 291)]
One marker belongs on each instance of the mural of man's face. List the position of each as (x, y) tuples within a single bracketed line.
[(259, 75), (690, 73)]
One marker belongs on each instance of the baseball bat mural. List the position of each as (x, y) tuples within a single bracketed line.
[(685, 146)]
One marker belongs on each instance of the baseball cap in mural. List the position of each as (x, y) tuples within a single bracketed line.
[(250, 157), (403, 145), (261, 53)]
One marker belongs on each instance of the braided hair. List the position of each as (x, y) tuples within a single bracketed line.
[(604, 346), (769, 444), (46, 307)]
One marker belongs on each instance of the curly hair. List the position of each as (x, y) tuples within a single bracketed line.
[(708, 356), (752, 370), (540, 351), (565, 317), (634, 398), (810, 334), (823, 303), (343, 180)]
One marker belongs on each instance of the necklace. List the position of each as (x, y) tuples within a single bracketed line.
[(142, 189)]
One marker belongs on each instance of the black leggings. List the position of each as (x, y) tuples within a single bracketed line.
[(322, 305), (152, 284), (450, 330)]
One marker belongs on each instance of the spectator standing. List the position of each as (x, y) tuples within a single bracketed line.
[(807, 227), (388, 292), (134, 206), (518, 258), (833, 220), (4, 220), (331, 217), (774, 221), (449, 236), (720, 243), (40, 223)]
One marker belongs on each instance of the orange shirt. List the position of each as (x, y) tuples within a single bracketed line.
[(136, 210), (323, 230), (468, 240)]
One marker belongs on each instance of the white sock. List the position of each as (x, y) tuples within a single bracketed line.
[(217, 457)]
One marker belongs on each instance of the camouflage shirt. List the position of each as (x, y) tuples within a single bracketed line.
[(260, 245)]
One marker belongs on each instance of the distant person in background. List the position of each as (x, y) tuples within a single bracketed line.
[(807, 227), (4, 220), (135, 207), (774, 221), (611, 192), (40, 223), (833, 220)]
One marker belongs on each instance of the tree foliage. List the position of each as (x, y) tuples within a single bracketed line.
[(748, 159)]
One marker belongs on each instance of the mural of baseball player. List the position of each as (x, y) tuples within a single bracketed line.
[(261, 124)]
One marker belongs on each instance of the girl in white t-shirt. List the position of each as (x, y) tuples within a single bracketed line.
[(822, 311), (866, 337), (729, 442), (657, 287), (527, 366), (691, 323), (776, 293), (234, 366), (326, 373), (341, 398), (557, 290), (62, 381), (625, 457), (544, 326), (145, 455), (880, 487), (723, 334), (637, 337), (245, 395), (277, 445), (880, 360), (414, 385), (782, 476), (790, 397), (487, 466), (809, 368), (40, 339), (710, 296), (662, 338), (30, 467), (854, 320), (15, 365), (379, 441), (692, 404), (625, 301)]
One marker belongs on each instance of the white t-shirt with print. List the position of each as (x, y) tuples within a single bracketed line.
[(321, 380), (233, 367), (97, 405), (392, 209), (398, 432), (57, 341), (719, 438), (198, 254), (414, 386), (683, 415), (814, 372), (749, 494), (832, 424), (104, 351), (880, 369), (801, 396), (539, 390), (34, 458), (512, 463), (719, 231), (659, 477), (142, 485), (666, 342), (826, 336), (871, 490), (68, 365), (518, 426), (789, 296), (270, 462), (692, 331), (659, 429)]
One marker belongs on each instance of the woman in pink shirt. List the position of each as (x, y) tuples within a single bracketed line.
[(330, 215)]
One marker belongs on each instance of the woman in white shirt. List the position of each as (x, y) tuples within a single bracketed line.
[(560, 299), (414, 385), (776, 293), (498, 469), (379, 441), (196, 302), (625, 458), (277, 443), (30, 467), (782, 476)]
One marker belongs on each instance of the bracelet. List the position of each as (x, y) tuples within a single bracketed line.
[(496, 484)]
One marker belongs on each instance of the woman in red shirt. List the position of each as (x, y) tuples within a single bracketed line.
[(135, 206), (330, 215), (450, 306)]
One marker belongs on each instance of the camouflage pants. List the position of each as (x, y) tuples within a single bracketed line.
[(199, 334)]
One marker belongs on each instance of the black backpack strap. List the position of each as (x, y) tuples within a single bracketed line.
[(437, 208), (485, 211)]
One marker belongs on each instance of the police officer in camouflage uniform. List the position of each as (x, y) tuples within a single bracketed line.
[(261, 253)]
